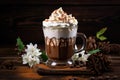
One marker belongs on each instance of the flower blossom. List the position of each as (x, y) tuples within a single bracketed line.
[(32, 55), (83, 56)]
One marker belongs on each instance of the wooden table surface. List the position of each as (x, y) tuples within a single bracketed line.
[(11, 68)]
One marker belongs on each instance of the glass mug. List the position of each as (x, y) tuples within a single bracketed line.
[(60, 44)]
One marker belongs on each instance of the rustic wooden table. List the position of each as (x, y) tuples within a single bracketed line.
[(11, 68)]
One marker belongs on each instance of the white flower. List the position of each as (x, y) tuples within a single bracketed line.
[(75, 57), (32, 55), (83, 57), (33, 50)]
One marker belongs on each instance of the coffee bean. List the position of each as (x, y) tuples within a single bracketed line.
[(100, 78), (115, 77), (107, 78), (73, 78), (71, 66), (92, 78), (76, 62)]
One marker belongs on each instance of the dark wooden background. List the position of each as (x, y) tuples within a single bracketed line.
[(24, 17)]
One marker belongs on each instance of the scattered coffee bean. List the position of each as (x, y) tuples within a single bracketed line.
[(115, 77), (76, 62), (71, 66), (107, 78), (92, 78), (100, 78), (81, 65), (73, 78)]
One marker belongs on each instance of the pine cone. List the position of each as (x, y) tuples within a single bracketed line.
[(104, 47), (98, 63), (115, 49), (91, 43), (111, 49)]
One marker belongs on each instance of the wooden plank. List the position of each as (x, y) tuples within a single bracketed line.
[(10, 51), (20, 76)]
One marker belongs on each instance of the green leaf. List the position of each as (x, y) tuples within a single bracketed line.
[(100, 33), (102, 38), (94, 51), (44, 56), (20, 44)]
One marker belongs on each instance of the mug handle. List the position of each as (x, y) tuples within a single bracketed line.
[(83, 37)]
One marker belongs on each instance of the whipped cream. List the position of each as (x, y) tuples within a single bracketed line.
[(60, 18)]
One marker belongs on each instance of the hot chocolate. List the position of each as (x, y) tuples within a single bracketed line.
[(62, 51), (60, 32)]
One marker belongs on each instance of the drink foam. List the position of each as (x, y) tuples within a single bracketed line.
[(60, 33)]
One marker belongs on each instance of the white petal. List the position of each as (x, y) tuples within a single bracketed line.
[(32, 55), (37, 60), (24, 62), (35, 45), (30, 64)]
